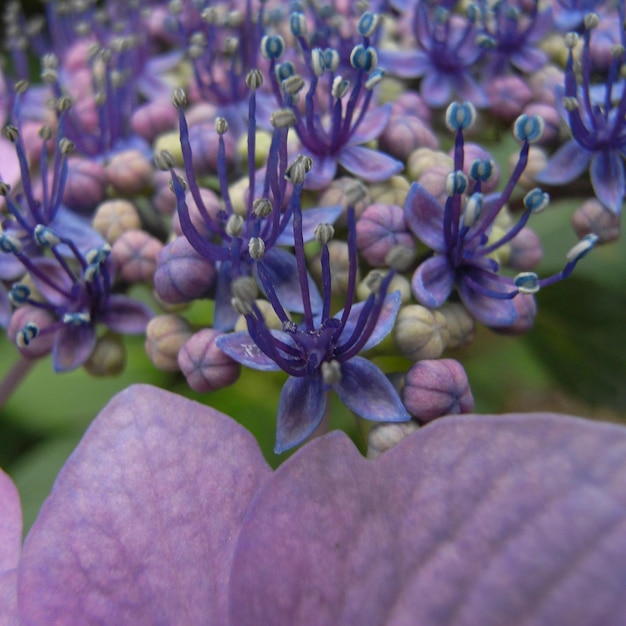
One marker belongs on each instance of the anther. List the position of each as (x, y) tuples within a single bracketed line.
[(261, 207), (324, 233), (298, 170), (179, 98), (527, 282), (256, 248)]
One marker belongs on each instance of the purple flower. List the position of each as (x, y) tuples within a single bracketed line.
[(166, 513), (321, 353), (460, 232), (598, 129), (446, 55)]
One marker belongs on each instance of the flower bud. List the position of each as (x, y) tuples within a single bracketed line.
[(592, 217), (269, 316), (423, 160), (339, 266), (204, 365), (526, 311), (383, 437), (129, 172), (525, 250), (461, 325), (421, 333), (165, 335), (115, 217), (508, 95), (434, 388), (182, 274), (372, 283), (108, 357), (347, 192), (404, 134), (204, 141), (152, 119), (86, 184), (135, 254)]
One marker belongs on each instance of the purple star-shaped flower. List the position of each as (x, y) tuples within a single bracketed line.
[(166, 513)]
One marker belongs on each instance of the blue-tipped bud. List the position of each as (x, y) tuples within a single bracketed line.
[(297, 23), (362, 58), (528, 128), (578, 251), (482, 170), (91, 271), (456, 183), (368, 23), (527, 282), (460, 115), (536, 200), (26, 335), (272, 46), (473, 209), (45, 237), (473, 12), (10, 244), (97, 256), (19, 293), (374, 78), (256, 248), (285, 71), (340, 87), (77, 319), (331, 59), (318, 64)]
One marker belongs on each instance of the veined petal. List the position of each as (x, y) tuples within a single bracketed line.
[(424, 216), (364, 389), (433, 281), (372, 125), (370, 165), (224, 316), (607, 178), (436, 89), (241, 347), (73, 345), (10, 548), (126, 315), (300, 410), (565, 165), (310, 220), (404, 64), (322, 173)]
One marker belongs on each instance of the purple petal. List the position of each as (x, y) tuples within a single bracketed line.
[(283, 273), (73, 345), (566, 165), (76, 228), (433, 281), (10, 547), (322, 173), (300, 410), (386, 320), (607, 178), (529, 59), (468, 89), (472, 520), (142, 521), (56, 275), (241, 347), (424, 216), (127, 315), (311, 218), (436, 89), (404, 64), (224, 316), (370, 165), (372, 125), (367, 391)]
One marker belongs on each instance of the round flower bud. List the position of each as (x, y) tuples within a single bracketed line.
[(526, 311), (339, 266), (383, 437), (411, 104), (424, 159), (404, 134), (28, 316), (135, 255), (108, 357), (380, 228), (398, 283), (434, 388), (434, 180), (347, 192), (85, 185), (204, 365), (421, 333), (129, 172), (592, 217), (182, 274), (525, 250), (488, 168), (115, 217), (152, 119), (392, 191), (204, 141), (537, 161), (169, 142), (461, 325), (508, 95), (269, 316), (163, 200), (213, 207), (165, 335)]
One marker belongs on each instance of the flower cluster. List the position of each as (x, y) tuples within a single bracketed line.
[(319, 192)]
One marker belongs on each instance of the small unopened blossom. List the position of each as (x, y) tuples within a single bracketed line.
[(592, 217), (165, 336), (421, 333)]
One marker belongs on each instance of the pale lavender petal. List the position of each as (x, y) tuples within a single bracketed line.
[(424, 216), (322, 173), (127, 315), (142, 521), (224, 316), (372, 125), (241, 347), (383, 327), (364, 389), (10, 547), (607, 178), (311, 218), (404, 64), (468, 89), (528, 59), (471, 520), (565, 165), (436, 89), (300, 410), (76, 228), (54, 274), (73, 345), (370, 165), (433, 281)]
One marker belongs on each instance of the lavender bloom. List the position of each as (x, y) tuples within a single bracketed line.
[(459, 232), (570, 14), (76, 299), (331, 130), (209, 534), (598, 130), (243, 245), (320, 354), (446, 55)]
